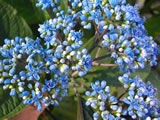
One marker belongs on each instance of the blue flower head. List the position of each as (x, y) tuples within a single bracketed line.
[(113, 2), (35, 99), (33, 71)]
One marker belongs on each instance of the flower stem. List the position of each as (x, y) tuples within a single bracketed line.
[(98, 51), (79, 98), (104, 65), (122, 94)]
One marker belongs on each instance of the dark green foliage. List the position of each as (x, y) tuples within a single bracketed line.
[(11, 23)]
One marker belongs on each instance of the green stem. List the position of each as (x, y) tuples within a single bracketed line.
[(79, 98), (122, 94)]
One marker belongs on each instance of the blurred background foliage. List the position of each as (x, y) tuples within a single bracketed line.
[(21, 18)]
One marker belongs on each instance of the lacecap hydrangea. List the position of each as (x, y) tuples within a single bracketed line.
[(137, 102), (39, 71), (25, 63), (120, 27)]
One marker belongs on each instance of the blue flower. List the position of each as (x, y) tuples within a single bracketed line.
[(33, 71), (133, 104), (12, 92), (81, 73), (129, 52), (49, 84), (45, 4), (87, 62), (97, 88), (113, 2), (95, 16), (99, 98), (35, 99), (108, 12)]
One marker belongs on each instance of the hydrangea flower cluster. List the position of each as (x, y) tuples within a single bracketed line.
[(121, 27), (101, 100), (138, 102), (59, 53), (26, 61)]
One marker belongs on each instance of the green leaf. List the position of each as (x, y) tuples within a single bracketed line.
[(87, 42), (28, 10), (147, 6), (66, 110), (80, 112), (110, 74), (142, 73), (88, 34), (131, 1), (11, 24), (87, 111), (152, 26), (64, 5), (10, 106), (80, 115)]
